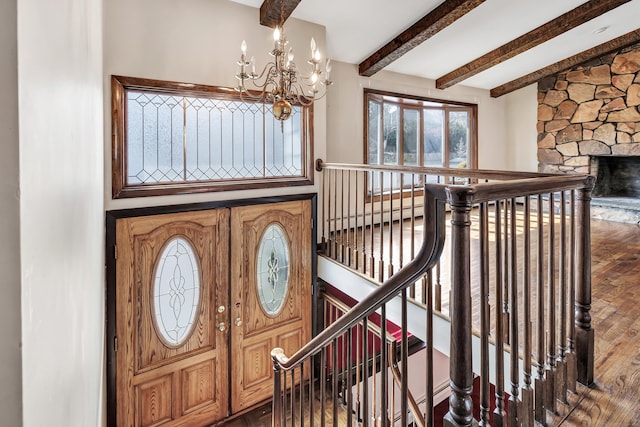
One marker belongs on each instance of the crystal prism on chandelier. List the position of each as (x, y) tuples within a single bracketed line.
[(280, 83)]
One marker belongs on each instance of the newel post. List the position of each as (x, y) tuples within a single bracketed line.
[(461, 370), (276, 405), (584, 331)]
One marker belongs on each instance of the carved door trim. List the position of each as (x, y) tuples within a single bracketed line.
[(196, 223), (255, 331), (177, 383)]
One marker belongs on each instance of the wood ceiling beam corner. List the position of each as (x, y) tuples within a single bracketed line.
[(578, 16), (274, 13), (584, 56), (435, 21)]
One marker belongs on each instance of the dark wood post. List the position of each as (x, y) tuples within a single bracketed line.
[(461, 369), (584, 331), (276, 405)]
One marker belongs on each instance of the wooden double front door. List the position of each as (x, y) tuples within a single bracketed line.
[(201, 299)]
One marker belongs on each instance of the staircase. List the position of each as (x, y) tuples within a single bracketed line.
[(489, 269)]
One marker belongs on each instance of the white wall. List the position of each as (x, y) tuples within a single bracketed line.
[(62, 217), (345, 113), (10, 364), (522, 134), (194, 41)]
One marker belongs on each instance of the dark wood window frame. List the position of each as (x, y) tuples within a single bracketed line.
[(121, 188), (413, 102), (416, 103)]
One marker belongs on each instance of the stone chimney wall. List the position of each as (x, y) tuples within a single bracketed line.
[(591, 109)]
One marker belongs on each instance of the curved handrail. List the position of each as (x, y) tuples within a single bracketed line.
[(426, 258), (463, 190)]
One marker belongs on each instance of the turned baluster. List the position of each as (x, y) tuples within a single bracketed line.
[(584, 331), (461, 371)]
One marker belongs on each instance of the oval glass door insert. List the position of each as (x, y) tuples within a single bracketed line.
[(176, 291), (272, 269)]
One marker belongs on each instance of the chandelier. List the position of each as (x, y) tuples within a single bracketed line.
[(280, 83)]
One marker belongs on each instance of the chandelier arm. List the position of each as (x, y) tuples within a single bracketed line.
[(280, 81), (262, 89), (297, 95), (267, 67), (246, 95), (324, 93)]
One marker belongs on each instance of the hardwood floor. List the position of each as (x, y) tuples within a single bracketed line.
[(614, 400), (261, 417)]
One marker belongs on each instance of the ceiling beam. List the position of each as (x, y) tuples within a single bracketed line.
[(273, 13), (435, 21), (578, 16), (587, 55)]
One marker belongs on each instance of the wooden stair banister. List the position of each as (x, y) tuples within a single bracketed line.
[(431, 249), (335, 302), (365, 209)]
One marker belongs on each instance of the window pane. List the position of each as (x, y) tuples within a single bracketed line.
[(433, 137), (425, 135), (253, 131), (154, 134), (222, 139), (374, 133), (210, 140), (391, 117), (293, 148), (281, 154), (459, 139), (411, 137)]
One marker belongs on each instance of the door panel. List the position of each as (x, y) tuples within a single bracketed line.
[(172, 359), (256, 330)]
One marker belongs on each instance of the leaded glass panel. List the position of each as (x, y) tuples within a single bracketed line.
[(273, 269), (176, 291), (178, 138)]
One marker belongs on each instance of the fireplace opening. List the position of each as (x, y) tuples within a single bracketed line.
[(616, 195), (617, 176)]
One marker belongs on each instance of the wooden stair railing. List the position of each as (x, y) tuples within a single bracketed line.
[(419, 419), (517, 277), (335, 308), (326, 342)]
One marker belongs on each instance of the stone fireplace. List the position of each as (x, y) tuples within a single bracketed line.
[(589, 122)]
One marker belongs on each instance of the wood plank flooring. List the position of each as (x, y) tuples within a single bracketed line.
[(614, 400), (261, 417)]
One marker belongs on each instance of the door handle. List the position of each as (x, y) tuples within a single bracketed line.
[(238, 321), (221, 326)]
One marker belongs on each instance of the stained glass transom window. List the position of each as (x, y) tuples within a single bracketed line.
[(273, 269), (172, 139), (176, 291)]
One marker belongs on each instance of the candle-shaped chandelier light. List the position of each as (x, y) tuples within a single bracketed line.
[(280, 82)]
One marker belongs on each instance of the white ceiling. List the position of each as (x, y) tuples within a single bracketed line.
[(357, 28)]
